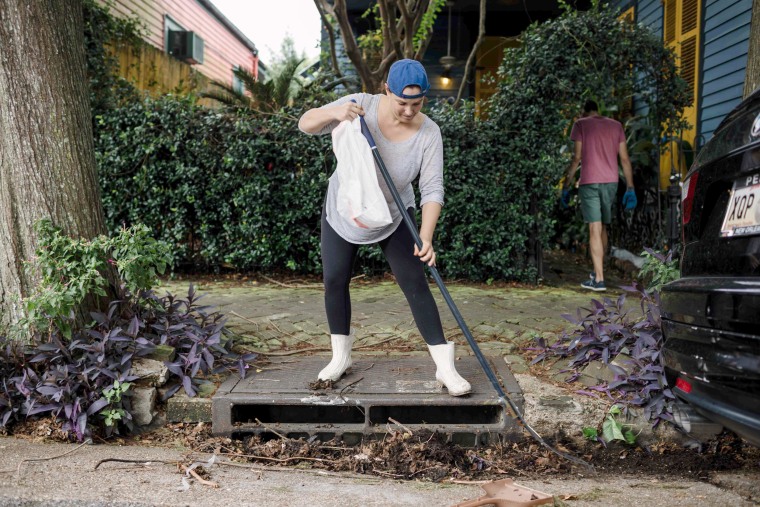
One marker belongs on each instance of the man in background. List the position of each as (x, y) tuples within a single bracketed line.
[(598, 141)]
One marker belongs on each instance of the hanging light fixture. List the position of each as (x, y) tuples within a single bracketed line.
[(448, 61), (446, 77)]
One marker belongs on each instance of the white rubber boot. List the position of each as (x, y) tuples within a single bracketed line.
[(446, 374), (341, 359)]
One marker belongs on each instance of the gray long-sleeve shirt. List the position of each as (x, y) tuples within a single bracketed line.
[(422, 155)]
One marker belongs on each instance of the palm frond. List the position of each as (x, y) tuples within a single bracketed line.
[(226, 95), (286, 82)]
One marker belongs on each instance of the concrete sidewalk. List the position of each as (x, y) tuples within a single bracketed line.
[(64, 475), (288, 318), (281, 318)]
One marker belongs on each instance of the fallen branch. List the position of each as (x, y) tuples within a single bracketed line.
[(289, 286), (270, 280), (141, 461), (349, 385), (285, 352), (264, 468), (198, 477), (381, 472), (18, 469), (246, 319), (285, 460), (281, 460), (391, 419), (270, 429)]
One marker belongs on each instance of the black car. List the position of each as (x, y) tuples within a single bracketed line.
[(711, 316)]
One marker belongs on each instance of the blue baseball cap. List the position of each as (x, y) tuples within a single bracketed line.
[(405, 73)]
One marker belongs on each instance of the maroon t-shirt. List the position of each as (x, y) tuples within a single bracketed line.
[(600, 139)]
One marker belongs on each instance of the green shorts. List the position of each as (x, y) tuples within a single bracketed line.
[(596, 201)]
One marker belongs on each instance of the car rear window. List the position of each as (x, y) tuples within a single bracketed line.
[(733, 136)]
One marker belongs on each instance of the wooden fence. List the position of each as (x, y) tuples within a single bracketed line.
[(152, 70)]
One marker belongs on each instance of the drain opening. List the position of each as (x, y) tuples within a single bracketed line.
[(295, 414), (421, 414)]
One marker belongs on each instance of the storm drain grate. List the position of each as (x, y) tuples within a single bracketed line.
[(362, 404)]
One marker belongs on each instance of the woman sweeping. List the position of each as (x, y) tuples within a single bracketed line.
[(411, 146)]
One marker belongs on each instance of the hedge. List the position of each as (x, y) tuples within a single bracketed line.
[(232, 190)]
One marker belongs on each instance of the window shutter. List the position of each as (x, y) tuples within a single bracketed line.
[(681, 32), (689, 16), (689, 62), (670, 21)]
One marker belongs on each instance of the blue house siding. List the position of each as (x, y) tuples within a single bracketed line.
[(725, 45), (649, 14)]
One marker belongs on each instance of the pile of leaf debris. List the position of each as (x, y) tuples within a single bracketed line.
[(424, 455), (398, 454)]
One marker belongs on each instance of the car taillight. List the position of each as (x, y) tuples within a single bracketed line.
[(683, 385), (687, 196)]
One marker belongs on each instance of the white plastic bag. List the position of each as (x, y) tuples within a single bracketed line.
[(360, 200)]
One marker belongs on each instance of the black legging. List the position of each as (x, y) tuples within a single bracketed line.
[(338, 257)]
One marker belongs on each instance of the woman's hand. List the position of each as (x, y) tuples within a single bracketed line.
[(430, 213), (348, 111), (314, 120), (426, 254)]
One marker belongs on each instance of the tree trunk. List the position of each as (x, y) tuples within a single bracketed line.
[(474, 52), (752, 77), (47, 159)]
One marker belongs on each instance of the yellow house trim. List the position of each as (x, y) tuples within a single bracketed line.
[(681, 32)]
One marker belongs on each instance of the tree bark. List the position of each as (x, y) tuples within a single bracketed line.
[(331, 35), (752, 76), (47, 158), (474, 53)]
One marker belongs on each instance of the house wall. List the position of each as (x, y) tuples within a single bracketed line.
[(222, 49), (649, 14), (723, 48), (726, 32)]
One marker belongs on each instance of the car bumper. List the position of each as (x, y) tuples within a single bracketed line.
[(715, 303), (717, 373)]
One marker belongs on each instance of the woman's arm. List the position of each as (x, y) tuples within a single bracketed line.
[(314, 120), (431, 210)]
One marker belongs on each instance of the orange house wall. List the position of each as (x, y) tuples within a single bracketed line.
[(222, 50)]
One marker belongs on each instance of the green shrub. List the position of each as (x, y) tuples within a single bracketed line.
[(658, 269), (230, 189), (482, 233), (75, 269), (542, 85), (224, 189)]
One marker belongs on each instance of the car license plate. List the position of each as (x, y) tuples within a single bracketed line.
[(743, 213)]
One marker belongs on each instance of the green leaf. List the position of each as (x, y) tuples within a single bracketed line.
[(590, 433), (611, 429)]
